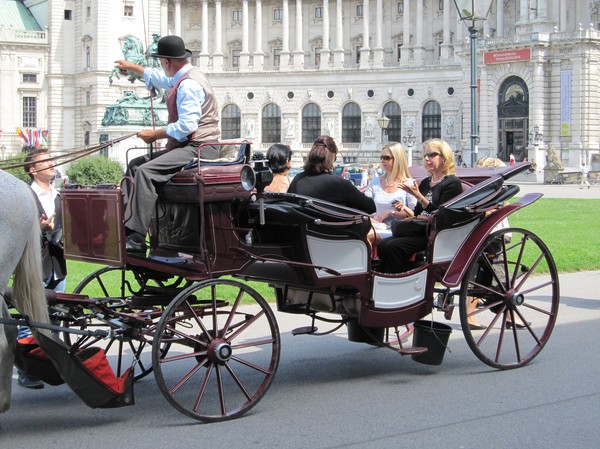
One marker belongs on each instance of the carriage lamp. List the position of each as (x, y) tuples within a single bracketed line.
[(473, 13), (257, 177)]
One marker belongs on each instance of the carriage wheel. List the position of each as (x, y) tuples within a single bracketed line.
[(511, 289), (114, 286), (224, 350)]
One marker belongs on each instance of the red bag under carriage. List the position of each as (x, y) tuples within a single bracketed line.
[(87, 372)]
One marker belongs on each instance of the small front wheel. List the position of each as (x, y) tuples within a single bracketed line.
[(224, 350), (509, 299)]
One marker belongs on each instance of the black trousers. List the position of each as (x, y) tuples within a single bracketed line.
[(395, 252), (148, 174)]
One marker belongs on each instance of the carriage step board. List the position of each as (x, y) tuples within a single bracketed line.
[(412, 351), (304, 330)]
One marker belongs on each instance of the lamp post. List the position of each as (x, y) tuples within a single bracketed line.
[(473, 13), (409, 140), (535, 139), (383, 123)]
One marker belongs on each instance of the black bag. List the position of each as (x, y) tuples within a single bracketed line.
[(409, 228)]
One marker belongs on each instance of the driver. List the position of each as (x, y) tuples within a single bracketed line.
[(193, 118)]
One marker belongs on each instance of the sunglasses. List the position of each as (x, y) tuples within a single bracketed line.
[(385, 158), (431, 154)]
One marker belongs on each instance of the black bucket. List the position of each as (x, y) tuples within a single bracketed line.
[(362, 334), (433, 336)]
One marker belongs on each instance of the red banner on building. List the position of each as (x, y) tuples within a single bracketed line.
[(499, 57)]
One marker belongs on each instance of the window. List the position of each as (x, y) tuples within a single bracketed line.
[(276, 57), (401, 7), (278, 14), (319, 13), (86, 139), (29, 78), (359, 10), (235, 58), (271, 124), (311, 122), (399, 50), (68, 14), (128, 10), (88, 12), (88, 98), (237, 15), (231, 122), (318, 57), (29, 112), (351, 123), (88, 57), (358, 47), (394, 130), (441, 5), (432, 121)]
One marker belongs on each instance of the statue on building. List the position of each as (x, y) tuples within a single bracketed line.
[(369, 128), (289, 128), (330, 129), (249, 128), (552, 160), (450, 126)]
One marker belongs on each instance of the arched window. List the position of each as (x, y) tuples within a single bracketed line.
[(311, 122), (231, 122), (432, 121), (394, 130), (271, 124), (351, 126)]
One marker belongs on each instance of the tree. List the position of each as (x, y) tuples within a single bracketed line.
[(94, 170)]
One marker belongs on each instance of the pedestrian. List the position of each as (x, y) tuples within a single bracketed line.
[(193, 118), (512, 159), (584, 176), (41, 171)]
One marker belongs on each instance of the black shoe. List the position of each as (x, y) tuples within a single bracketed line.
[(134, 246), (28, 382), (509, 325)]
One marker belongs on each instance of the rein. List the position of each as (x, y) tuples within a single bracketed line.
[(71, 155)]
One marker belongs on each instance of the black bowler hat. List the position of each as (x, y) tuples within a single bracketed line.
[(171, 47)]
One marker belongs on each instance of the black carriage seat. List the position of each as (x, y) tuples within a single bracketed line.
[(453, 222), (88, 374), (323, 233)]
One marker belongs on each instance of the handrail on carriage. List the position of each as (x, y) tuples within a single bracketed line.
[(287, 262)]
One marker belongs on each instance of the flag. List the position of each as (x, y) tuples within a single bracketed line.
[(23, 135), (45, 136)]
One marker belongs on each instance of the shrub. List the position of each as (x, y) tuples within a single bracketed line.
[(93, 170)]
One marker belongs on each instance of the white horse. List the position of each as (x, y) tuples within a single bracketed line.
[(19, 254)]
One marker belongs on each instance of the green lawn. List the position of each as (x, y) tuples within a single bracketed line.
[(569, 227)]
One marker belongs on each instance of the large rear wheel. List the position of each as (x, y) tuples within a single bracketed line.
[(224, 350), (509, 299)]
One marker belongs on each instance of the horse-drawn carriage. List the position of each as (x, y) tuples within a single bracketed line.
[(188, 312)]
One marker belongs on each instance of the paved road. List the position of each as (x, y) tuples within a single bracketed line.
[(331, 393)]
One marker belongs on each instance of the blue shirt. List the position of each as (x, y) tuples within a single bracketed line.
[(190, 98)]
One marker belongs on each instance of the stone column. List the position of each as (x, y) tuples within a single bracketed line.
[(338, 51), (562, 22), (499, 19), (419, 47), (177, 17), (284, 59), (378, 54), (365, 51), (204, 55), (524, 12), (245, 54), (258, 55), (164, 17), (445, 50), (298, 52), (325, 51), (218, 51), (405, 55)]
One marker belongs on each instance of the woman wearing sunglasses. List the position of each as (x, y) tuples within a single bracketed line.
[(440, 186), (392, 202)]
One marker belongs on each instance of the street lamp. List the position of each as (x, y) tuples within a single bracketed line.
[(409, 141), (535, 136), (473, 13), (383, 123), (535, 139)]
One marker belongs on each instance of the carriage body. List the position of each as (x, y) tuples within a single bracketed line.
[(180, 298)]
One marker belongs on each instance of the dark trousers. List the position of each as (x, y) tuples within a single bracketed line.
[(395, 252)]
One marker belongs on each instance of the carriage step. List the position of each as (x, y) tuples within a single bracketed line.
[(412, 350), (304, 330)]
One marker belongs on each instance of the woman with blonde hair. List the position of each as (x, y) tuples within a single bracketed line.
[(392, 202), (441, 185)]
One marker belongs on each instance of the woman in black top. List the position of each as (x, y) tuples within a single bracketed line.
[(440, 186), (318, 181)]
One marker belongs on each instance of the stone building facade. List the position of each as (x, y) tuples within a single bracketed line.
[(289, 70)]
